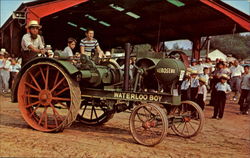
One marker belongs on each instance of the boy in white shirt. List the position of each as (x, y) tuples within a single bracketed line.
[(185, 85), (222, 89), (202, 93)]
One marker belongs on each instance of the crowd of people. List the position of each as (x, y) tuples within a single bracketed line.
[(203, 78), (9, 67)]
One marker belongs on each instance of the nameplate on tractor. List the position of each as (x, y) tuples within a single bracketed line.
[(136, 96), (165, 71)]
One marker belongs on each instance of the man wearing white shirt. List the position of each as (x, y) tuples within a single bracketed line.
[(5, 73), (236, 73)]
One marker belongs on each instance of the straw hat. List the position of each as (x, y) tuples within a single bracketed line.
[(224, 76), (2, 51), (33, 23), (194, 72), (107, 53), (202, 79)]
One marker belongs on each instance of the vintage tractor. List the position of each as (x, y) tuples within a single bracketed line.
[(53, 93)]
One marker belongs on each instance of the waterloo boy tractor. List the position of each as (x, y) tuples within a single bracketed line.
[(53, 93)]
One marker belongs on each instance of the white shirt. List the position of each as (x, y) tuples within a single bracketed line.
[(67, 52), (185, 84), (15, 68), (223, 87), (27, 41), (206, 77), (203, 90), (200, 68), (5, 64), (245, 84), (236, 71), (194, 82)]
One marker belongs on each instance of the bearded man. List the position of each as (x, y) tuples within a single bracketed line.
[(32, 44)]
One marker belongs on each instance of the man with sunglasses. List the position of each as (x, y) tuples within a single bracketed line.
[(32, 44)]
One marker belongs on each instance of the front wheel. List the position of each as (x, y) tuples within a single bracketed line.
[(148, 124), (188, 119)]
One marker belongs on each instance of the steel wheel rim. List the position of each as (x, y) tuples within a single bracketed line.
[(191, 119), (143, 122), (40, 98), (90, 114)]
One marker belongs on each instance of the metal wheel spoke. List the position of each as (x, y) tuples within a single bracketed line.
[(84, 110), (57, 75), (45, 119), (63, 90), (31, 96), (29, 105), (183, 127), (191, 126), (31, 86), (34, 80), (95, 114), (179, 125), (91, 115), (62, 99), (62, 104), (41, 118), (47, 78), (57, 84), (34, 110), (41, 71), (55, 112)]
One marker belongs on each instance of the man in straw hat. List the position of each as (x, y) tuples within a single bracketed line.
[(32, 44), (222, 89)]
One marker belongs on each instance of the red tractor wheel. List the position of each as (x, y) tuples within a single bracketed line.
[(48, 98)]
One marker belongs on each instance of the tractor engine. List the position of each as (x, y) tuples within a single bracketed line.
[(150, 74)]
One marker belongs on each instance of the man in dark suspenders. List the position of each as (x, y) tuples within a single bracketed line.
[(32, 44)]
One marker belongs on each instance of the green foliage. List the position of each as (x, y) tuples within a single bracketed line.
[(237, 45)]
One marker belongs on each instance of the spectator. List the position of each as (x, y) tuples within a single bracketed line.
[(14, 69), (193, 64), (205, 75), (202, 93), (209, 65), (215, 79), (194, 83), (244, 100), (1, 68), (236, 73), (185, 85), (200, 66), (222, 89), (67, 52), (5, 73)]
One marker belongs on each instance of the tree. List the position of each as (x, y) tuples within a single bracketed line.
[(237, 45)]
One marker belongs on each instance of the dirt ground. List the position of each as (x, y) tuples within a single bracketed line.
[(229, 138)]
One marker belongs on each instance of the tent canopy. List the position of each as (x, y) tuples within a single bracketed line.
[(217, 54)]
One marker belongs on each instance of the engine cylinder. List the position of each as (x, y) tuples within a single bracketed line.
[(169, 70)]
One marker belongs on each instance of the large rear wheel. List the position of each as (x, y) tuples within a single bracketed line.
[(48, 98)]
